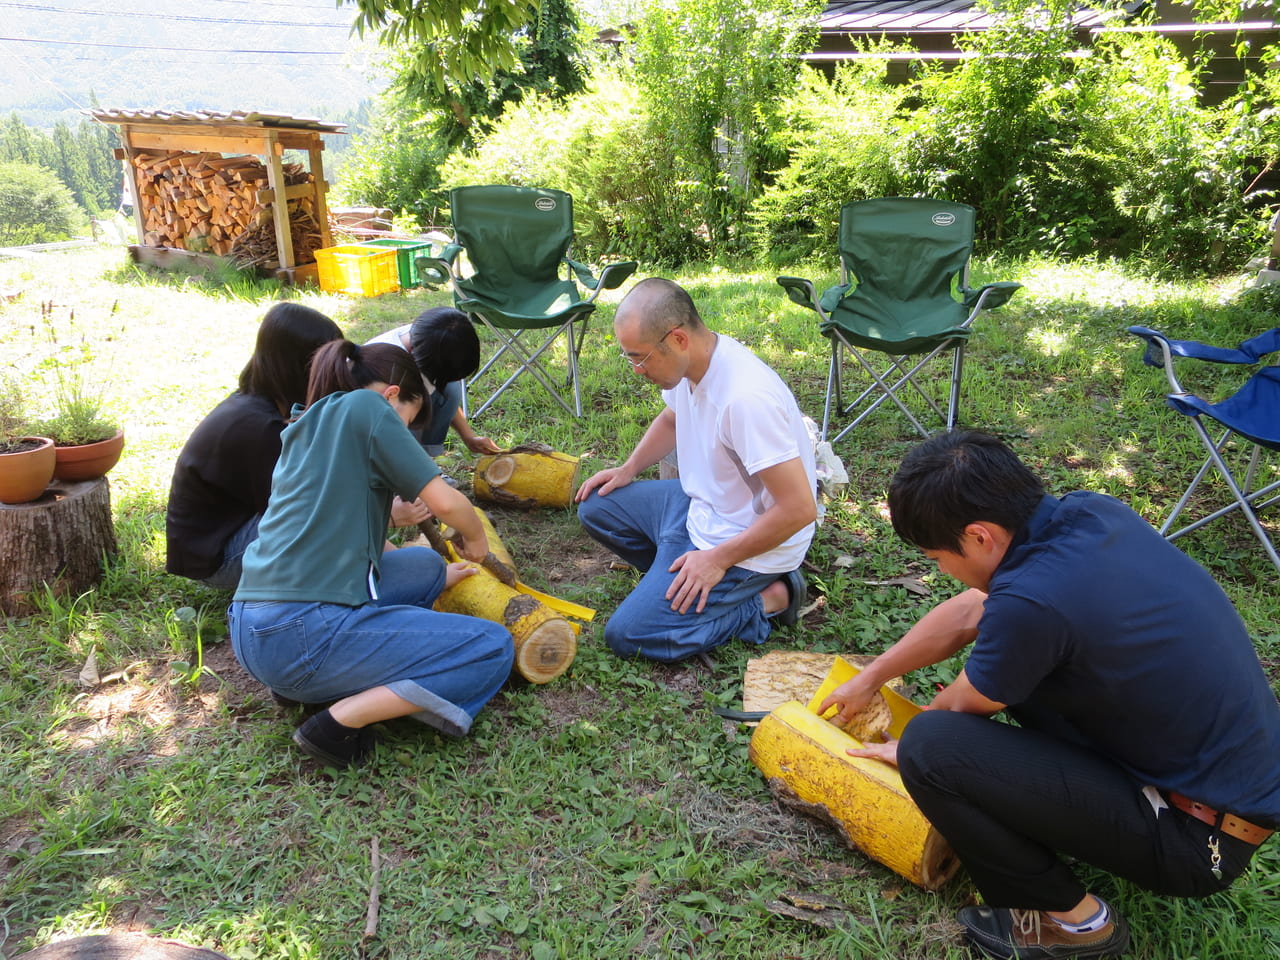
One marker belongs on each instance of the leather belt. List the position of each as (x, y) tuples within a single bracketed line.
[(1227, 823)]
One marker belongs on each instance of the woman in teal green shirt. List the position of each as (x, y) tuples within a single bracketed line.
[(324, 612)]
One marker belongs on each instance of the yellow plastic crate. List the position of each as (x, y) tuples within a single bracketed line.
[(357, 270)]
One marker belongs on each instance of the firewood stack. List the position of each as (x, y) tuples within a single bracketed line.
[(207, 203)]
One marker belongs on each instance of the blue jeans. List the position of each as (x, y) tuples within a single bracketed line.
[(646, 524), (227, 576), (444, 404), (447, 664)]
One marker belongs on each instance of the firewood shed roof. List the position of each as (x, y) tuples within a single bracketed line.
[(215, 117)]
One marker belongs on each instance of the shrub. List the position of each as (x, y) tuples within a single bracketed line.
[(601, 147), (34, 206), (843, 140)]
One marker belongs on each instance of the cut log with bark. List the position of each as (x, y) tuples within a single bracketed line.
[(208, 203), (59, 539), (545, 641), (531, 475), (804, 760)]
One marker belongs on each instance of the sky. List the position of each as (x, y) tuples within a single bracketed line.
[(291, 56)]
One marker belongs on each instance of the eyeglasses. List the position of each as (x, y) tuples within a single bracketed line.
[(637, 364)]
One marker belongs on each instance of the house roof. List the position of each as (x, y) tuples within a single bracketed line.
[(927, 16)]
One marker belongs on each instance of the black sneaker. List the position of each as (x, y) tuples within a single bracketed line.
[(1031, 935), (339, 751)]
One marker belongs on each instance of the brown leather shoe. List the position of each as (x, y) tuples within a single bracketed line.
[(1030, 935)]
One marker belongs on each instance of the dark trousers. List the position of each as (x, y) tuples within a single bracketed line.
[(1010, 799)]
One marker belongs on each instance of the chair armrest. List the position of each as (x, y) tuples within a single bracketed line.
[(831, 298), (989, 295), (433, 271), (611, 275), (801, 291)]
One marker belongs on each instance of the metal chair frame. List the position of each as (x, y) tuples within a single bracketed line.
[(1245, 497)]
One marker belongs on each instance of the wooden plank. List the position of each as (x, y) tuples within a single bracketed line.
[(316, 158), (219, 140), (280, 211), (265, 197)]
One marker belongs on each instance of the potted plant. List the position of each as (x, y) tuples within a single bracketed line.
[(26, 462), (87, 442)]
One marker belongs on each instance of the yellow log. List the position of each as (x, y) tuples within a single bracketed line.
[(532, 475), (545, 642), (803, 758)]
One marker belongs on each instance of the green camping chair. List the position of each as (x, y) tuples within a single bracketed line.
[(515, 239), (903, 262)]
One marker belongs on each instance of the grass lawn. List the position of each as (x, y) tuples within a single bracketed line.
[(609, 813)]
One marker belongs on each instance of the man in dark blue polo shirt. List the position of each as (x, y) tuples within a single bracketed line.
[(1147, 738)]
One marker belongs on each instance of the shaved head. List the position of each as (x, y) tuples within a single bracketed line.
[(656, 305)]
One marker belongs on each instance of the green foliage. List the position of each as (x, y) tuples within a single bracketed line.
[(842, 138), (396, 161), (80, 156), (35, 207), (1059, 153), (604, 149), (81, 416), (710, 73), (14, 419), (451, 41)]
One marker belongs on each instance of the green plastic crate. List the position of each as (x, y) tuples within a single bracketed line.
[(407, 253), (357, 269)]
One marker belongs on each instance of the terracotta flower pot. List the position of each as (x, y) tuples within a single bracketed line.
[(88, 461), (25, 474)]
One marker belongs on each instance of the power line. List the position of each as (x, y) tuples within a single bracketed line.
[(114, 14), (137, 46)]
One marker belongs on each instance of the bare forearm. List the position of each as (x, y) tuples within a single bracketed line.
[(793, 509), (942, 632), (658, 441)]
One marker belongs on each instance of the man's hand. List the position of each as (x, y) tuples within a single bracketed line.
[(851, 697), (607, 480), (481, 445), (409, 514), (887, 752), (697, 572)]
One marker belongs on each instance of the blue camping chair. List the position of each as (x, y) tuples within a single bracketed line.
[(1251, 413)]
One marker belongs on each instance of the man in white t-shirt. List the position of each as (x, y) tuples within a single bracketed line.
[(721, 547)]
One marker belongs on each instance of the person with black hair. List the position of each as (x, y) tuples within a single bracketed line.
[(446, 350), (222, 478), (326, 611), (1146, 735)]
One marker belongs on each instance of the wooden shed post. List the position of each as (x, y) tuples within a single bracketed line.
[(316, 154), (280, 200)]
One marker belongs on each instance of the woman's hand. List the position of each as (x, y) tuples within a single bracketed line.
[(457, 572), (409, 514)]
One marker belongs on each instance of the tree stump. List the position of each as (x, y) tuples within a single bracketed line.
[(60, 539)]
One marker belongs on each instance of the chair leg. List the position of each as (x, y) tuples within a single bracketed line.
[(957, 370), (529, 362), (833, 386), (1243, 502)]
